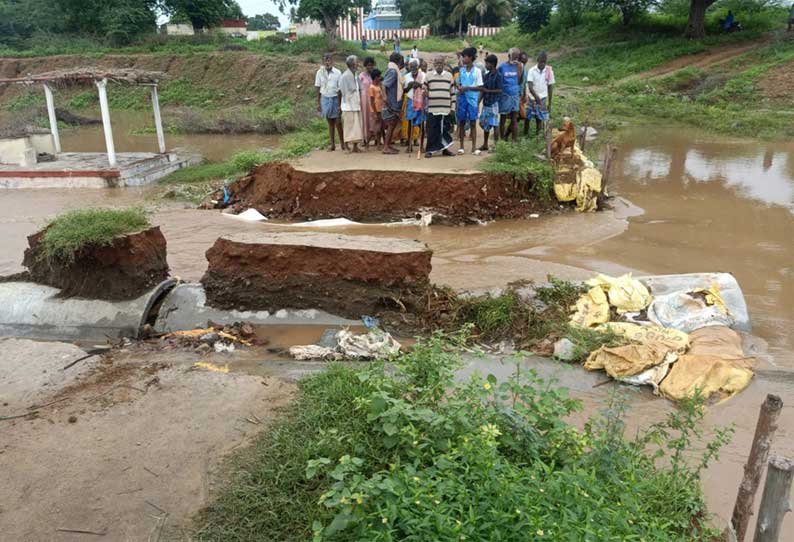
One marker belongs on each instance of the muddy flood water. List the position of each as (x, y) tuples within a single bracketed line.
[(697, 204)]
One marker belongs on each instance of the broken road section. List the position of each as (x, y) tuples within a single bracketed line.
[(345, 275)]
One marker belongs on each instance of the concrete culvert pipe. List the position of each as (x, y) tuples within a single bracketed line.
[(35, 311)]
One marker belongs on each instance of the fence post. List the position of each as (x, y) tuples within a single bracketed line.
[(759, 451), (775, 501)]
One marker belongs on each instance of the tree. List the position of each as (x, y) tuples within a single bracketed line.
[(532, 15), (200, 13), (327, 12), (696, 24), (265, 21), (629, 9)]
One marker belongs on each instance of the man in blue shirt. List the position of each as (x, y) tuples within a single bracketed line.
[(512, 75), (469, 83)]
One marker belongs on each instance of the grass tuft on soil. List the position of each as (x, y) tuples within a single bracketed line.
[(404, 450), (73, 230)]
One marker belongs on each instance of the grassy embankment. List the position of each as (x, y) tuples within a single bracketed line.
[(610, 68), (72, 230), (405, 452)]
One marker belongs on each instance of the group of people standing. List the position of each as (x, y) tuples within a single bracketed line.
[(408, 102)]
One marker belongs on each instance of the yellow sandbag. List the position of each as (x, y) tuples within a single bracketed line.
[(710, 374), (715, 363), (592, 308), (671, 338), (588, 186), (625, 293), (628, 360), (720, 341)]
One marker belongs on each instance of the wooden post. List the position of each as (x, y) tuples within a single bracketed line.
[(158, 121), (101, 85), (776, 500), (56, 138), (759, 451)]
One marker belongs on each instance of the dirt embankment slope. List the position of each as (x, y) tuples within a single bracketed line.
[(278, 190), (227, 77)]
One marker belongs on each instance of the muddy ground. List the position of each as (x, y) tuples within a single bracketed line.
[(126, 445)]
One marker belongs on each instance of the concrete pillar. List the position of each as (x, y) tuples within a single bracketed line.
[(158, 121), (56, 138), (101, 85)]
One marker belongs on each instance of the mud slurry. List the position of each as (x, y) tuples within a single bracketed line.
[(345, 275), (124, 269), (278, 190)]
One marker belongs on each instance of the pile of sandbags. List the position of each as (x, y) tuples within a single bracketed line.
[(679, 342)]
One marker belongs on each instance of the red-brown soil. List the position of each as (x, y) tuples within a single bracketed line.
[(344, 275), (278, 190), (125, 269)]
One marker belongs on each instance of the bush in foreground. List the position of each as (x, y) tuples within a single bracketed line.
[(401, 451)]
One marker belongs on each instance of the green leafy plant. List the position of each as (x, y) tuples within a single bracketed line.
[(406, 450), (71, 231)]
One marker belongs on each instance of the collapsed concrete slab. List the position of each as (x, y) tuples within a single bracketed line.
[(278, 190), (344, 275), (125, 269)]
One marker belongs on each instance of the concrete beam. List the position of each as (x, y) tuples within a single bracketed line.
[(158, 122), (53, 118), (101, 85)]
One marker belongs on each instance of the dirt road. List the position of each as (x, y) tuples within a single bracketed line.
[(127, 446)]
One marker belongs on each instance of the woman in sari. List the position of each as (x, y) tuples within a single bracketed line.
[(365, 79)]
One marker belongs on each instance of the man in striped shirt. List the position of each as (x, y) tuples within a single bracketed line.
[(440, 93)]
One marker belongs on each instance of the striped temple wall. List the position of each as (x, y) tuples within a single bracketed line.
[(348, 30)]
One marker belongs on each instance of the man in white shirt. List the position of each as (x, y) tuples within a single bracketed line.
[(351, 103), (540, 87), (328, 98)]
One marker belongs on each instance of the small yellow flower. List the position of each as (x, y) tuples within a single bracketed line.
[(384, 520), (539, 532), (487, 385)]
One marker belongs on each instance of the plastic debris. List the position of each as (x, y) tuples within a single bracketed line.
[(350, 346), (211, 367), (626, 294), (685, 312)]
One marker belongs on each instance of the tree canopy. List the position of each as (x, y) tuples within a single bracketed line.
[(264, 21), (326, 12)]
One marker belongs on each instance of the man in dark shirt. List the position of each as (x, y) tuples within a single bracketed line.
[(392, 90), (490, 92)]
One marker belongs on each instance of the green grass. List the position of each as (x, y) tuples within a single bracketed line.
[(403, 451), (526, 161), (71, 231)]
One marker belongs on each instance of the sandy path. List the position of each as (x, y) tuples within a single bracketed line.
[(141, 454)]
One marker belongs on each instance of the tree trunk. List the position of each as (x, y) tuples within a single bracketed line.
[(330, 32), (696, 27)]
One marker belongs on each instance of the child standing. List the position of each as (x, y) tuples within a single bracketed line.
[(489, 95), (376, 103), (469, 83)]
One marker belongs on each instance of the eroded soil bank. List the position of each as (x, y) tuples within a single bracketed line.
[(125, 269), (278, 190), (345, 275)]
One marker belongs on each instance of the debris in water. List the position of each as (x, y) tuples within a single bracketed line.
[(350, 346), (211, 367)]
